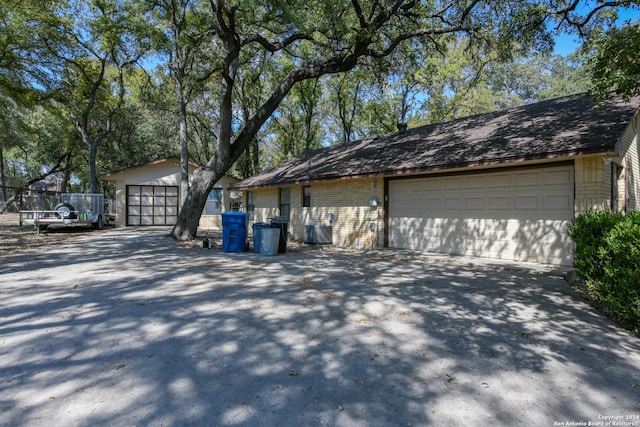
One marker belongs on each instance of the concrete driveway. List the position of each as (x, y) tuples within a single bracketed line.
[(124, 328)]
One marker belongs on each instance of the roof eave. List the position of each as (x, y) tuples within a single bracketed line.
[(505, 161)]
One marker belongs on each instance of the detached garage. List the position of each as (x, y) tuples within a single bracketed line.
[(504, 184), (149, 195)]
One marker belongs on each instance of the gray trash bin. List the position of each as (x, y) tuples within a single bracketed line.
[(269, 241), (257, 235)]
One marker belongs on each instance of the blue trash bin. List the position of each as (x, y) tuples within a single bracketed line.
[(235, 226), (257, 235)]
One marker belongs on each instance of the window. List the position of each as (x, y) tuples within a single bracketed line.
[(285, 202), (214, 202), (306, 196), (251, 206)]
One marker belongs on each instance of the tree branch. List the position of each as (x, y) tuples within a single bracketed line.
[(274, 47)]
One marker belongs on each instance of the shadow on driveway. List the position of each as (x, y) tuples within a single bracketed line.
[(124, 328)]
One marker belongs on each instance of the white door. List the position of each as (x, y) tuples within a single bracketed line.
[(518, 214)]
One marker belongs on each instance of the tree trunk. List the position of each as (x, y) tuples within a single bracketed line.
[(66, 175), (182, 135), (66, 178), (94, 184), (92, 146), (3, 178), (255, 153), (186, 228)]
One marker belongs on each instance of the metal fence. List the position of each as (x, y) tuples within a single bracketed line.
[(32, 200)]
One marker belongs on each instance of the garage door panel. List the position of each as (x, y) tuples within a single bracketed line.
[(517, 215), (433, 204), (526, 179), (475, 182), (499, 180), (562, 203), (526, 203), (498, 203), (475, 203), (415, 204), (452, 204), (557, 177), (452, 184), (414, 186)]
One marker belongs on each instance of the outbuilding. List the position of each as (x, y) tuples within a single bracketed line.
[(504, 184), (149, 195)]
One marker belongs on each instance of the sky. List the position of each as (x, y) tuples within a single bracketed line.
[(566, 44)]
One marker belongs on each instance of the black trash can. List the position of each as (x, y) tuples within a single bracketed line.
[(283, 224)]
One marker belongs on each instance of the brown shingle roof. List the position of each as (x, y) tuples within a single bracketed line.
[(562, 127)]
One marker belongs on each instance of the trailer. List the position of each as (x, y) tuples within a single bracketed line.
[(73, 208)]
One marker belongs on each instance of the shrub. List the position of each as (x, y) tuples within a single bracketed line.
[(589, 232), (607, 255)]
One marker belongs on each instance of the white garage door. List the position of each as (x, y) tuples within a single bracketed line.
[(518, 215), (152, 205)]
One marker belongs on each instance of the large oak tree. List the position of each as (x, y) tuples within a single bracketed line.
[(332, 36)]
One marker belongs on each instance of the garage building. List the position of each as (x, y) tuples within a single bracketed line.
[(503, 185), (149, 195)]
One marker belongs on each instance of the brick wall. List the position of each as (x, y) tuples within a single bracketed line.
[(349, 202), (266, 204)]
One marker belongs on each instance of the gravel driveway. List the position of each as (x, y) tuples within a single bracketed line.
[(124, 328)]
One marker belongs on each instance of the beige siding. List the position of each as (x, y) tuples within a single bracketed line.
[(347, 200), (266, 204), (594, 176), (629, 182), (593, 184)]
